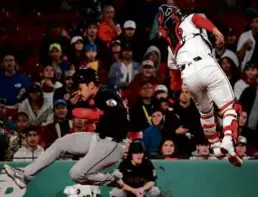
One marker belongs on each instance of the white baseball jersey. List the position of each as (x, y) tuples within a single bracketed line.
[(192, 41)]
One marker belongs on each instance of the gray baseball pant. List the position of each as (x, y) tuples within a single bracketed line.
[(153, 192), (99, 154)]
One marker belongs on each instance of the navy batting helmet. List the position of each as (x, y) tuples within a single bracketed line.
[(85, 76)]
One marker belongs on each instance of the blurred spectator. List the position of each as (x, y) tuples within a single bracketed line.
[(17, 138), (231, 40), (77, 51), (124, 71), (153, 54), (60, 125), (53, 35), (230, 69), (129, 37), (115, 52), (138, 174), (90, 37), (241, 147), (191, 127), (221, 51), (13, 84), (249, 102), (249, 78), (167, 150), (165, 105), (108, 30), (146, 74), (90, 60), (79, 125), (59, 64), (49, 83), (202, 151), (247, 47), (140, 112), (92, 10), (32, 150), (38, 109), (161, 92), (242, 122), (152, 135), (3, 141)]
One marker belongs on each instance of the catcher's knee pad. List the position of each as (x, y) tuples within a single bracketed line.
[(209, 126), (230, 115)]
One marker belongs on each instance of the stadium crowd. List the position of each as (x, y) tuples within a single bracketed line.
[(42, 47)]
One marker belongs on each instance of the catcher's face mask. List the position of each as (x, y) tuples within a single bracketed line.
[(167, 17)]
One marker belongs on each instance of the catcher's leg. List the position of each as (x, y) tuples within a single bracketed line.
[(205, 106), (76, 143), (222, 94)]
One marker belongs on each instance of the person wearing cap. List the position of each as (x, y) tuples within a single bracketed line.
[(231, 40), (153, 134), (54, 34), (241, 147), (249, 78), (139, 174), (13, 84), (60, 126), (108, 30), (161, 92), (65, 91), (77, 50), (124, 71), (32, 149), (60, 63), (247, 46), (90, 57), (147, 73), (202, 151), (38, 108), (115, 50)]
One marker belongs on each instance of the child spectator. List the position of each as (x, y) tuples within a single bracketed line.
[(17, 138), (152, 135), (138, 174), (32, 150), (38, 108), (90, 57), (49, 83), (241, 148), (123, 72), (202, 151)]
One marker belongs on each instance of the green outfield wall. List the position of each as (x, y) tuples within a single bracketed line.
[(175, 179)]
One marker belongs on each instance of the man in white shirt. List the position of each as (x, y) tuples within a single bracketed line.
[(32, 150), (247, 47)]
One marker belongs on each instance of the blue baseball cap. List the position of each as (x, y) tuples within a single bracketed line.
[(59, 101), (90, 47)]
